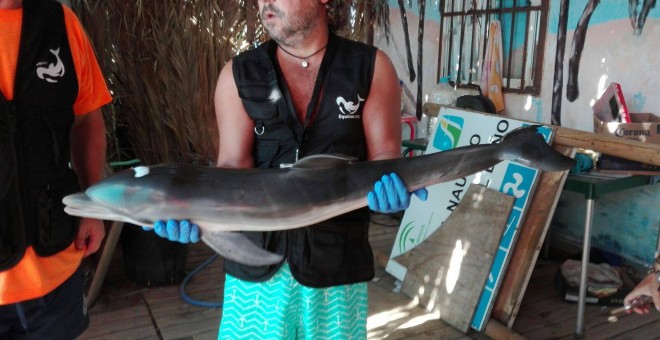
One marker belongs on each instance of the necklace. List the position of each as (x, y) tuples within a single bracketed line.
[(304, 62)]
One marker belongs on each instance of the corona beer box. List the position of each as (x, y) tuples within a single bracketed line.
[(645, 127)]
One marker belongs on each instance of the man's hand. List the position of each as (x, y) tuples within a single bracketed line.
[(90, 235), (178, 231), (390, 195), (647, 287)]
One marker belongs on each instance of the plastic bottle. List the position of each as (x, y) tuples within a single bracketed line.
[(442, 94)]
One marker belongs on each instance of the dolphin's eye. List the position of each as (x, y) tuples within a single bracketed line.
[(141, 171)]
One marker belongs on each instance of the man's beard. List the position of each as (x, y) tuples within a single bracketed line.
[(293, 29)]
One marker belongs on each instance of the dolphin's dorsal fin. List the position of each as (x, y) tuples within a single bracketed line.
[(323, 161)]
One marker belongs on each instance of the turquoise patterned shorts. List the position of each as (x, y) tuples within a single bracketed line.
[(282, 308)]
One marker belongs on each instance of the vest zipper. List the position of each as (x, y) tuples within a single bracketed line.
[(18, 156)]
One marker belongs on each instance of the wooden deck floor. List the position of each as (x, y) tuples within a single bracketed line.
[(127, 311)]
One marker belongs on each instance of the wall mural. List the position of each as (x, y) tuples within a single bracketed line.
[(579, 36), (404, 20), (639, 21), (420, 52)]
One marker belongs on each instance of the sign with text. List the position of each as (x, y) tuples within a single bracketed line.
[(456, 128)]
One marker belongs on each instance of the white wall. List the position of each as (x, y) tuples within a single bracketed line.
[(611, 54)]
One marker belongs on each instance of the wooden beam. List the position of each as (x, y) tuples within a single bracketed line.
[(610, 145), (599, 142), (496, 330)]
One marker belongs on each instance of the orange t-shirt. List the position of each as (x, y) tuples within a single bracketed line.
[(36, 276)]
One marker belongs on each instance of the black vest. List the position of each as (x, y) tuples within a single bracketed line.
[(335, 251), (34, 139)]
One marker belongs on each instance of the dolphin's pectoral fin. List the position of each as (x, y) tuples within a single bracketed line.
[(237, 247)]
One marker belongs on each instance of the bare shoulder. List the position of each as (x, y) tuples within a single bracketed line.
[(234, 125), (226, 78), (384, 63), (226, 93)]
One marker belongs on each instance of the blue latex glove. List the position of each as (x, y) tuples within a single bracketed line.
[(178, 231), (391, 195)]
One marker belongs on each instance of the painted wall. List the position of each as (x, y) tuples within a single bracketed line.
[(612, 53), (625, 223)]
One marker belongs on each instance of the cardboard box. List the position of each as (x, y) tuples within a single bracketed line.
[(611, 106), (645, 127)]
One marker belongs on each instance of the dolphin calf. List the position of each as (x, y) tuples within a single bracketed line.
[(222, 201)]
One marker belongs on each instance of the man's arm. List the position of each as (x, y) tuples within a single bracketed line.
[(234, 125), (234, 148), (381, 116), (382, 126), (88, 158)]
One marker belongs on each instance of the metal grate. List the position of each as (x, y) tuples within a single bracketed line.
[(464, 31)]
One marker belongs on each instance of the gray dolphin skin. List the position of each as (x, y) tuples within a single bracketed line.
[(223, 201)]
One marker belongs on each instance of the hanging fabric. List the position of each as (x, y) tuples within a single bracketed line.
[(491, 72)]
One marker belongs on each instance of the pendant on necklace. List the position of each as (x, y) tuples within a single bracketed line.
[(304, 63)]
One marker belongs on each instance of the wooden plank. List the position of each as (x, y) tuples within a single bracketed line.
[(497, 330), (146, 332), (132, 322), (546, 312), (397, 324), (639, 331), (187, 325), (448, 270), (607, 144), (530, 239)]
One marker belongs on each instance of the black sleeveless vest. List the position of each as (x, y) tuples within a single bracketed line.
[(34, 139), (335, 251)]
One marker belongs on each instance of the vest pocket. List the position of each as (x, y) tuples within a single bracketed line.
[(56, 228), (59, 122), (12, 228), (264, 152), (324, 249), (259, 101), (12, 239), (334, 247)]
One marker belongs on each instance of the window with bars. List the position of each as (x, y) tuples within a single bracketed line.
[(464, 34)]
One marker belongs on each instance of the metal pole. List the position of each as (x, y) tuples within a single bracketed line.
[(585, 266)]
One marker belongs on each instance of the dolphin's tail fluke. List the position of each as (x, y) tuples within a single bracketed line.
[(528, 147)]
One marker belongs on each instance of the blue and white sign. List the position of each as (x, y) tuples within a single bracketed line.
[(461, 128)]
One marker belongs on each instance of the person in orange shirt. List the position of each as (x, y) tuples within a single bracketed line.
[(52, 143)]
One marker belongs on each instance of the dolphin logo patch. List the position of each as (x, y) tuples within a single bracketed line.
[(51, 71), (348, 109)]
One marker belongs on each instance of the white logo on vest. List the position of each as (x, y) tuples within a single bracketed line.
[(348, 109), (51, 71)]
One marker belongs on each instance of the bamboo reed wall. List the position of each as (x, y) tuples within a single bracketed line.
[(162, 59)]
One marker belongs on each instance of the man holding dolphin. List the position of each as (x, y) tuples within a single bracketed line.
[(306, 91)]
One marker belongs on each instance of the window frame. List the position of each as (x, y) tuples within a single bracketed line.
[(533, 89)]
